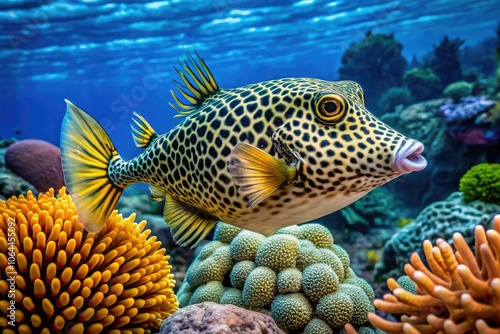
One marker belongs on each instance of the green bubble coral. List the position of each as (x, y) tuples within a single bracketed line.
[(307, 256), (407, 283), (365, 286), (209, 292), (208, 249), (289, 280), (291, 275), (259, 287), (240, 272), (294, 230), (319, 280), (329, 257), (231, 296), (213, 268), (225, 233), (343, 256), (317, 326), (244, 246), (185, 294), (291, 311), (360, 300), (318, 234), (336, 309), (481, 182), (278, 252)]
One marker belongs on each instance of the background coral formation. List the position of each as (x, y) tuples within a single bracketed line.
[(377, 208), (458, 293), (68, 280), (438, 220), (297, 275), (36, 161), (376, 63), (10, 183), (482, 182)]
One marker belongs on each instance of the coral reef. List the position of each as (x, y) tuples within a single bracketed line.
[(481, 182), (423, 84), (180, 256), (10, 183), (459, 291), (497, 60), (377, 208), (438, 220), (457, 90), (376, 63), (209, 317), (395, 96), (424, 122), (297, 275), (36, 161), (445, 61), (470, 121), (467, 109), (140, 203), (68, 280)]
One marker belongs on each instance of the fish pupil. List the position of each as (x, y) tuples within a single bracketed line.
[(330, 107)]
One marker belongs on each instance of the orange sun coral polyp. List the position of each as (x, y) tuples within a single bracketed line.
[(459, 293), (62, 279)]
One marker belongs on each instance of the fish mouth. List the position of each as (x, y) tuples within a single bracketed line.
[(408, 158)]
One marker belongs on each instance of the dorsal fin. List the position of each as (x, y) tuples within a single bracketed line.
[(199, 84), (142, 133)]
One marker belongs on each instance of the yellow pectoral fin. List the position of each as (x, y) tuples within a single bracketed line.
[(187, 226), (257, 173)]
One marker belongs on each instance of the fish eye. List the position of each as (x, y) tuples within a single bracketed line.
[(330, 108)]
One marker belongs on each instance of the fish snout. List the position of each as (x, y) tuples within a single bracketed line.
[(408, 157)]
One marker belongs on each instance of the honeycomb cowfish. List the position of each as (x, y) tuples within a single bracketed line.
[(260, 157)]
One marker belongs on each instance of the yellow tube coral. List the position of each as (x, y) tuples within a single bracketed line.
[(56, 277), (458, 293)]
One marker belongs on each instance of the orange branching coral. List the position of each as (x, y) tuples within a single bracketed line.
[(460, 293), (55, 277)]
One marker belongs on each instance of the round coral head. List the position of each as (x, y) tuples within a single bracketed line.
[(61, 279), (36, 161)]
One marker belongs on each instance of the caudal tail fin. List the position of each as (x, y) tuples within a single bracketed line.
[(87, 151)]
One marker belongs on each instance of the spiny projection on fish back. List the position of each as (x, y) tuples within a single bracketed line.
[(260, 157)]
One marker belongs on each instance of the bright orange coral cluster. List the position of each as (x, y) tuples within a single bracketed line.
[(459, 294), (55, 277)]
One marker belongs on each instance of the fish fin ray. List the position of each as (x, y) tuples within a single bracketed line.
[(199, 84), (257, 173), (187, 227), (142, 132), (86, 153)]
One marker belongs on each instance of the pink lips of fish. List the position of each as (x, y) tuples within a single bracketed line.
[(409, 159)]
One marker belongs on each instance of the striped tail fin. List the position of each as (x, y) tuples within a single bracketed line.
[(87, 151)]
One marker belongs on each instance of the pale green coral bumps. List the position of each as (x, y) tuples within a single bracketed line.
[(297, 276)]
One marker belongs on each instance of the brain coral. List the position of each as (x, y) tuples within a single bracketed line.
[(297, 275), (457, 292), (438, 220), (55, 277), (36, 161)]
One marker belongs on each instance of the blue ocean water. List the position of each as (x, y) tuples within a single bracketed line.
[(113, 58)]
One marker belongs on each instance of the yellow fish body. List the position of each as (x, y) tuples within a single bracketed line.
[(260, 157)]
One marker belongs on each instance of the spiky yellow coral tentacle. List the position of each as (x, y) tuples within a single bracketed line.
[(68, 280)]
